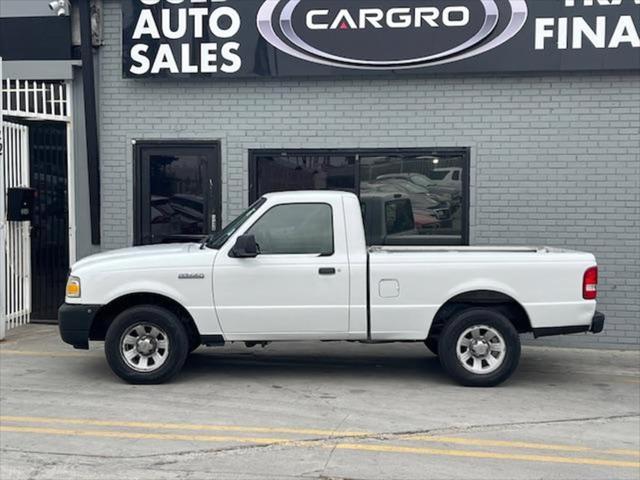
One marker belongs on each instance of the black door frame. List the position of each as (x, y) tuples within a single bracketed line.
[(141, 189), (464, 152)]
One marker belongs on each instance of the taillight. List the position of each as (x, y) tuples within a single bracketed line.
[(590, 284)]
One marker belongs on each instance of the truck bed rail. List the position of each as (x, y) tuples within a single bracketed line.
[(400, 249)]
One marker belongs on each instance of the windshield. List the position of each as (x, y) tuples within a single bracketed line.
[(218, 239)]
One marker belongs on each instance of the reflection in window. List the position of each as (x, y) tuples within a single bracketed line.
[(177, 189), (430, 184), (398, 219), (280, 173)]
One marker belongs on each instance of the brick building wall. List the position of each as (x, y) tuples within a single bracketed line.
[(554, 159)]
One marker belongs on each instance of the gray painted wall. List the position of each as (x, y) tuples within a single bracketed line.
[(555, 159)]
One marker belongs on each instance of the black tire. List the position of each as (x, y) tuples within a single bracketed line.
[(153, 315), (194, 340), (432, 345), (460, 323)]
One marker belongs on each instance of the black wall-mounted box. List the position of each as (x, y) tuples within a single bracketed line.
[(20, 204)]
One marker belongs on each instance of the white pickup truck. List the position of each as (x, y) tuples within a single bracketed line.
[(295, 267)]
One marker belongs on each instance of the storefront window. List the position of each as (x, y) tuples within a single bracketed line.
[(284, 172), (433, 184)]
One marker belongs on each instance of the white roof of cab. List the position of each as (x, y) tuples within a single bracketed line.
[(302, 194)]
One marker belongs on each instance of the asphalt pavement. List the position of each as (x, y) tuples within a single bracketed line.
[(315, 411)]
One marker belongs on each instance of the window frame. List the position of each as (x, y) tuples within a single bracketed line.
[(141, 190), (273, 207), (463, 152)]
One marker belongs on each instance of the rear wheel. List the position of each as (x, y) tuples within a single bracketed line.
[(146, 344), (479, 347)]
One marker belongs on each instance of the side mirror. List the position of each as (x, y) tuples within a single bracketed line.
[(245, 247)]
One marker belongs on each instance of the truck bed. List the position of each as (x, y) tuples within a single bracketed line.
[(409, 284)]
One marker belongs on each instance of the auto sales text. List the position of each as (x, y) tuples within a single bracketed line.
[(170, 25)]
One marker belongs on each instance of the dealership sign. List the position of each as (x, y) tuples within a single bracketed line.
[(279, 38)]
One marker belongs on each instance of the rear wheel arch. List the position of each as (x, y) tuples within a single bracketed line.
[(501, 302), (479, 347), (108, 312)]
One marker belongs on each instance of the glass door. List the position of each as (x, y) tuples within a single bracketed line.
[(177, 191)]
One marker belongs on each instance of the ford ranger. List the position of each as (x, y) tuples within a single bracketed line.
[(296, 267)]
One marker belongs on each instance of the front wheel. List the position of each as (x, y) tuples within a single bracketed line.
[(479, 347), (146, 344)]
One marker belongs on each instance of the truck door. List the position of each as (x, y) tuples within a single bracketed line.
[(299, 282)]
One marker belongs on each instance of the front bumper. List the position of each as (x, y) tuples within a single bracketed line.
[(74, 322), (596, 326)]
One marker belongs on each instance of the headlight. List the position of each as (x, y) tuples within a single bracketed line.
[(73, 287)]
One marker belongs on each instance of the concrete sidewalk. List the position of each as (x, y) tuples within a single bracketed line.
[(305, 410)]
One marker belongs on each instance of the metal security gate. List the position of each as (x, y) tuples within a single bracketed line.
[(50, 226), (18, 242), (44, 109)]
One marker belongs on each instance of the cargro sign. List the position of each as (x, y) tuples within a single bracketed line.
[(281, 38)]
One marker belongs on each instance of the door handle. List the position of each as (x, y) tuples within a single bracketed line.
[(327, 271)]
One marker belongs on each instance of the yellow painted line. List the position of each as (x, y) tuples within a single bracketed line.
[(33, 353), (497, 443), (632, 380), (341, 446), (301, 431), (522, 445), (177, 426), (487, 455), (617, 451), (142, 436)]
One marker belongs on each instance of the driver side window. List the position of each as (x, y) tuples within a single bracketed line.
[(297, 228)]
